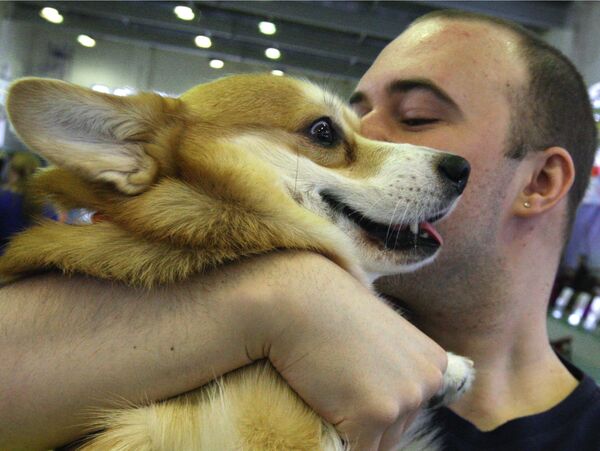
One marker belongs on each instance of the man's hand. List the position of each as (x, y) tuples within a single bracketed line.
[(350, 356)]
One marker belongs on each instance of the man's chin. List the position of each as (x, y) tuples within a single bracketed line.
[(393, 288), (389, 263)]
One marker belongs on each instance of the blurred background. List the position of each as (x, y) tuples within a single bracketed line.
[(129, 46)]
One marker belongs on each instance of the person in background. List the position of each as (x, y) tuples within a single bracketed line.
[(3, 161), (585, 237), (17, 210)]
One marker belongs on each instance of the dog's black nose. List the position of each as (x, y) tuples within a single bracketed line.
[(456, 170)]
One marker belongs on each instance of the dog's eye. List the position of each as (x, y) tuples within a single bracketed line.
[(323, 132)]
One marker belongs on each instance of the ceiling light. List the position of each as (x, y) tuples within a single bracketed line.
[(272, 53), (277, 72), (86, 41), (101, 88), (267, 28), (184, 12), (51, 15), (204, 42), (216, 64), (123, 91)]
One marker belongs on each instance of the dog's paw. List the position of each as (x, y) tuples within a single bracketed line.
[(458, 378)]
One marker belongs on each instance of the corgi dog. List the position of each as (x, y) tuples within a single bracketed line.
[(240, 166)]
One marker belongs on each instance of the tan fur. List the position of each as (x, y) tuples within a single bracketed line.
[(191, 183), (154, 237), (227, 205), (248, 409)]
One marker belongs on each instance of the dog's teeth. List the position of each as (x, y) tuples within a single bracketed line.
[(424, 235), (414, 227)]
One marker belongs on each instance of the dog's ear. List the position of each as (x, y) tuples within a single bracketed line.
[(99, 136)]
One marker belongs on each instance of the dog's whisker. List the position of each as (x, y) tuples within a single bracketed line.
[(401, 220), (420, 210), (297, 167), (390, 223)]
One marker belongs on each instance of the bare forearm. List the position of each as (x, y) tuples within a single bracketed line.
[(71, 346)]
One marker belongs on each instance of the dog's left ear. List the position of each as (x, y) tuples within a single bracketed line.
[(99, 136), (550, 175)]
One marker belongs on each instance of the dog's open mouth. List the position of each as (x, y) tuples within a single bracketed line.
[(419, 234)]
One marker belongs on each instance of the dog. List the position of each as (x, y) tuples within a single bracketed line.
[(232, 168)]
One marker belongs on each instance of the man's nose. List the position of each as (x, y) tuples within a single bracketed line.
[(374, 126)]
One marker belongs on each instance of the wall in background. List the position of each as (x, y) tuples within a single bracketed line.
[(580, 41), (54, 52), (29, 49)]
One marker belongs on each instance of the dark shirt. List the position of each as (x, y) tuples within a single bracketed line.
[(572, 425), (12, 217)]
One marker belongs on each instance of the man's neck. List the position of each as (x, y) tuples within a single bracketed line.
[(517, 372), (502, 393)]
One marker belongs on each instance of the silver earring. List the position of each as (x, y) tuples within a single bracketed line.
[(526, 204)]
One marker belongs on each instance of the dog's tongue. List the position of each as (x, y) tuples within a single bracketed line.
[(427, 227)]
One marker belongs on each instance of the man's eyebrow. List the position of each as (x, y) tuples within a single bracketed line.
[(422, 84), (408, 85)]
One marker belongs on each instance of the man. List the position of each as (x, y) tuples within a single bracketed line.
[(519, 113), (462, 84)]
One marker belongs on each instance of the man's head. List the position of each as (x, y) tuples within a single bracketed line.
[(467, 84), (551, 109)]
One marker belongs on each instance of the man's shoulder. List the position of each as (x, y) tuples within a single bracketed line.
[(572, 424), (581, 417)]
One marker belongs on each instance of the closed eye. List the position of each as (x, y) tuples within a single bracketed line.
[(416, 122)]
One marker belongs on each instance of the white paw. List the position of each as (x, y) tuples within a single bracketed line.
[(458, 378)]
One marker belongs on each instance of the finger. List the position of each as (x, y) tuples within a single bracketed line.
[(393, 435), (364, 440)]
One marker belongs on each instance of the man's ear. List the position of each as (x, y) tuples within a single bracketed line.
[(99, 136), (550, 177)]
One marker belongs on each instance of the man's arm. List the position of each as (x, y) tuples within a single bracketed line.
[(70, 346)]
